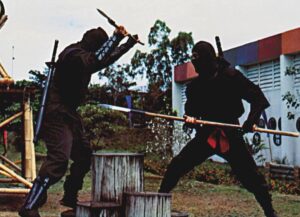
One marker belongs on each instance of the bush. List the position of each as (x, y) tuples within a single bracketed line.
[(101, 123)]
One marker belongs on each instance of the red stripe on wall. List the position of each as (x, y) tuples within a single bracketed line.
[(291, 41), (269, 48)]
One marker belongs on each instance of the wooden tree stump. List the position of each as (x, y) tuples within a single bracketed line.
[(146, 204), (93, 209), (115, 173)]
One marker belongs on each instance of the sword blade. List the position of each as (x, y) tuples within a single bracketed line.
[(111, 21), (113, 107)]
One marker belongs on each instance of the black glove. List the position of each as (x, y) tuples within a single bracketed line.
[(248, 126), (132, 40)]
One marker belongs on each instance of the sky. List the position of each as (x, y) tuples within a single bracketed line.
[(33, 25)]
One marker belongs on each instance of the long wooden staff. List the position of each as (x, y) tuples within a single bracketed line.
[(204, 122)]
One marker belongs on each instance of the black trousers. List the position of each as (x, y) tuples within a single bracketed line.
[(65, 139), (238, 156)]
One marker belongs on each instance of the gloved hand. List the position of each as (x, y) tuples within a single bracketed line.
[(132, 40), (187, 128), (248, 126), (120, 30)]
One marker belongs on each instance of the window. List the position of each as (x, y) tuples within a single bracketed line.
[(266, 75)]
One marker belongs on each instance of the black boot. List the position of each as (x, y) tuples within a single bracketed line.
[(69, 200), (36, 198), (265, 201)]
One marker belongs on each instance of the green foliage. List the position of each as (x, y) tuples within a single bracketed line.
[(256, 149), (100, 123), (290, 98), (292, 70), (119, 78), (158, 64), (291, 102)]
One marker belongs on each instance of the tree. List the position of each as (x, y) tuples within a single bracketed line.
[(119, 78), (158, 64)]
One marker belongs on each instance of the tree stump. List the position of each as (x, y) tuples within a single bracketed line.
[(146, 204), (115, 173), (93, 209)]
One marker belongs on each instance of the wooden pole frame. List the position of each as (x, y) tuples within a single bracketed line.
[(14, 191), (10, 119), (10, 163), (12, 174), (28, 169)]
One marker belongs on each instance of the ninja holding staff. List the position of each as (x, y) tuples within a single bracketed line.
[(216, 95), (62, 128)]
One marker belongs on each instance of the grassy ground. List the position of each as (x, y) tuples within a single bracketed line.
[(198, 198)]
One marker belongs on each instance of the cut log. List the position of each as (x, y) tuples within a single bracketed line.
[(147, 204), (94, 209), (115, 173)]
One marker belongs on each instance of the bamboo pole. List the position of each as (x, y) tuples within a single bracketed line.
[(7, 81), (14, 191), (29, 156), (16, 176), (12, 164), (10, 119), (5, 174), (32, 150), (7, 180), (3, 72), (203, 122)]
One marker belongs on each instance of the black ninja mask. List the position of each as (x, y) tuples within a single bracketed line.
[(204, 59), (93, 39)]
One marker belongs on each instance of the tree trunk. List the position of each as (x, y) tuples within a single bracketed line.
[(92, 209), (147, 204), (115, 173)]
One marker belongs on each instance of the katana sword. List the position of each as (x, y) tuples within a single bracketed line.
[(203, 122), (113, 23), (44, 98)]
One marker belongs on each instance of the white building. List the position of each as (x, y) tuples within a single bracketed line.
[(264, 62)]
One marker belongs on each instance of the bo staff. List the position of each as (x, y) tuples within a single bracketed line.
[(204, 122), (113, 23)]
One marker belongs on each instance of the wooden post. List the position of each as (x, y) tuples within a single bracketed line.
[(29, 168), (115, 173), (93, 209), (147, 204)]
